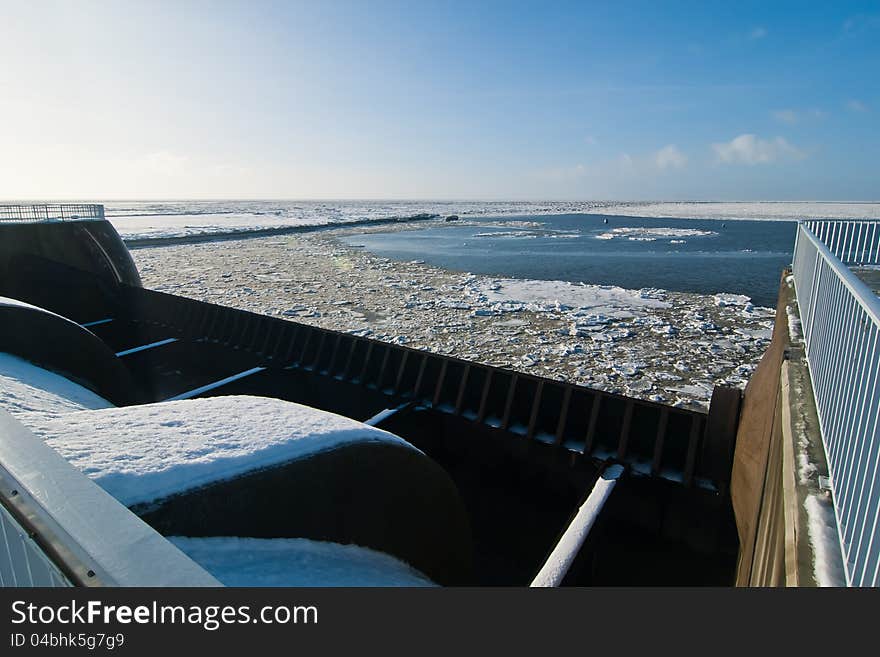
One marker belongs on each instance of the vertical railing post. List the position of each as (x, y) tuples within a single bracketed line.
[(841, 327)]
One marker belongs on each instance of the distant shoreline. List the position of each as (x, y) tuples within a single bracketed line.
[(240, 234)]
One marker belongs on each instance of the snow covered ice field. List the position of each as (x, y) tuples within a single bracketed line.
[(139, 219), (652, 344)]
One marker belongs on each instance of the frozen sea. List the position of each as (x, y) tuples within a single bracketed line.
[(684, 255), (704, 247)]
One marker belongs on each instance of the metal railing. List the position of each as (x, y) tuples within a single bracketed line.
[(853, 242), (840, 316), (22, 561), (58, 528), (20, 213)]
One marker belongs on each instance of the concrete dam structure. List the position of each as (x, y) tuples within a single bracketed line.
[(179, 418)]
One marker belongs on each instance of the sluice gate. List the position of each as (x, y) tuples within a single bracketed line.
[(524, 452)]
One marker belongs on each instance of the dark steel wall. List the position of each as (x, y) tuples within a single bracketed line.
[(74, 268), (358, 377)]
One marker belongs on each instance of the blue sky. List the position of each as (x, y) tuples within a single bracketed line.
[(506, 100)]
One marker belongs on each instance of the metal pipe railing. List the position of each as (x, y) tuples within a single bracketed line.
[(23, 213), (556, 568), (853, 242), (840, 317), (59, 528)]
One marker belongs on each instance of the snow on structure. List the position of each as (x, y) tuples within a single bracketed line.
[(28, 390), (140, 454), (822, 530), (296, 562)]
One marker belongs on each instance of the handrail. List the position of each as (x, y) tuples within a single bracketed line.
[(840, 318), (28, 213), (556, 568), (860, 291), (853, 242), (60, 528)]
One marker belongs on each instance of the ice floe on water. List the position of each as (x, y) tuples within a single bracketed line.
[(665, 346), (639, 234), (577, 299), (529, 234), (167, 219)]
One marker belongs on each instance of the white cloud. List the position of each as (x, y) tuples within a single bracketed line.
[(791, 116), (624, 166), (861, 22), (758, 32), (669, 157), (786, 116), (857, 106), (751, 150)]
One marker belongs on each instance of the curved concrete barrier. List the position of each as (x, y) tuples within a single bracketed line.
[(62, 346)]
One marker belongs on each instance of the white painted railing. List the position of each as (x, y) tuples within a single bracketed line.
[(853, 242), (22, 561), (841, 324), (22, 213)]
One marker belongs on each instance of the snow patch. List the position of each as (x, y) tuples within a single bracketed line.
[(822, 528), (637, 234), (140, 454), (795, 331), (26, 389), (551, 296), (279, 562)]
